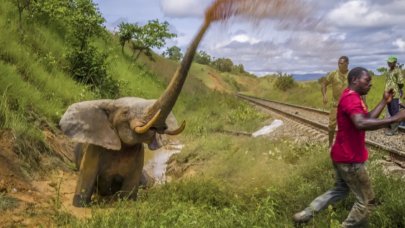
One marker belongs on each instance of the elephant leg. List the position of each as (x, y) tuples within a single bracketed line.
[(133, 178), (78, 153), (146, 180), (103, 185), (87, 177)]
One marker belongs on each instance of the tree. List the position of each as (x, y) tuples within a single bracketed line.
[(81, 22), (86, 22), (21, 6), (202, 57), (223, 64), (173, 53), (382, 70), (239, 69), (153, 34), (126, 32), (284, 82), (87, 64)]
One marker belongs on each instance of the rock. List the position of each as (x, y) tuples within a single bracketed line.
[(394, 169)]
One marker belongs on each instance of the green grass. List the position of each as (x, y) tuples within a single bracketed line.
[(243, 186), (7, 203)]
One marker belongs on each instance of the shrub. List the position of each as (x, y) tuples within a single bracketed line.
[(89, 66), (284, 82)]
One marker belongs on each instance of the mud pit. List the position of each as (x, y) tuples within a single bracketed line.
[(33, 201)]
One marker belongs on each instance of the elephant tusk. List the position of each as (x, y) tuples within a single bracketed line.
[(177, 131), (145, 128)]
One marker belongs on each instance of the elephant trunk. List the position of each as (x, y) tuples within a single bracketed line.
[(167, 100)]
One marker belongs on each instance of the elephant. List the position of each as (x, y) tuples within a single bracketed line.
[(146, 179), (112, 134)]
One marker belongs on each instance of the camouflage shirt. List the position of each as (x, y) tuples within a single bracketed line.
[(393, 78), (338, 81)]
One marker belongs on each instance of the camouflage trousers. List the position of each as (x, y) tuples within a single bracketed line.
[(349, 177)]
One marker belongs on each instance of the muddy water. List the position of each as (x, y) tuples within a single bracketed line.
[(155, 161)]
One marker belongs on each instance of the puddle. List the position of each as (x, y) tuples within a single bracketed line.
[(155, 161), (268, 129)]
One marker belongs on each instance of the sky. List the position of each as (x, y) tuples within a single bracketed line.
[(367, 31)]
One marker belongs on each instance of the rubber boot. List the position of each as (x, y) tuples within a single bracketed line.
[(393, 129)]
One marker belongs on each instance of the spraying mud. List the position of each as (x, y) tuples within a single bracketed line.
[(286, 12)]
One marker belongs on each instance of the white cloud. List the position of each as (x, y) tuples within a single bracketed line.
[(400, 43), (365, 30), (183, 8), (288, 54), (243, 38), (358, 13), (334, 36)]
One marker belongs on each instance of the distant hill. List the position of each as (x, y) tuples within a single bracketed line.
[(307, 77)]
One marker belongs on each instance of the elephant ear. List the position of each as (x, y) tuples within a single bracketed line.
[(88, 122)]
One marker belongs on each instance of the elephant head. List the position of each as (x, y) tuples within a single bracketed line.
[(114, 124), (127, 121)]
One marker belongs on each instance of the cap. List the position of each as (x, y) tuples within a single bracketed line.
[(392, 59)]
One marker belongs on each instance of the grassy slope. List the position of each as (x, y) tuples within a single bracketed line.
[(242, 182)]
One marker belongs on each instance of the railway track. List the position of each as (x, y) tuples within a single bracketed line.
[(318, 119)]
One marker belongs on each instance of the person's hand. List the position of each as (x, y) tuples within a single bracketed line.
[(401, 115), (388, 95), (325, 100)]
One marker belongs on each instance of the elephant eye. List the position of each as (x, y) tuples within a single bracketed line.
[(124, 113)]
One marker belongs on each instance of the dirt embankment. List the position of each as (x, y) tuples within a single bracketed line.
[(33, 198)]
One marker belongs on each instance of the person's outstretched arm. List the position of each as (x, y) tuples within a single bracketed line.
[(387, 98), (370, 121), (363, 122)]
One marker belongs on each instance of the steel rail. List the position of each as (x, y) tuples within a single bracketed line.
[(401, 128), (287, 104), (399, 156)]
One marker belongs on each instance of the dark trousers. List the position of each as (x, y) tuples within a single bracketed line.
[(393, 108)]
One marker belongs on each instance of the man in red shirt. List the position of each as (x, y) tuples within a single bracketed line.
[(349, 152)]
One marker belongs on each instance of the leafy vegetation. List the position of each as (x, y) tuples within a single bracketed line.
[(221, 64), (173, 53), (202, 57), (284, 82), (7, 203), (144, 38)]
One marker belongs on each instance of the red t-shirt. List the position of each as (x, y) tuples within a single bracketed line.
[(350, 143)]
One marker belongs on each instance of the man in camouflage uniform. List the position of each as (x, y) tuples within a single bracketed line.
[(338, 81), (394, 81)]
